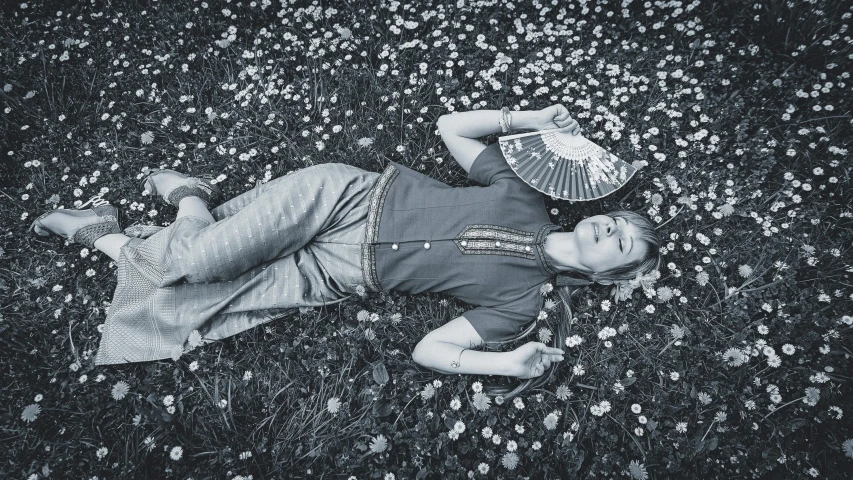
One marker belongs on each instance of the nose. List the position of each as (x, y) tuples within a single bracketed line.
[(610, 228)]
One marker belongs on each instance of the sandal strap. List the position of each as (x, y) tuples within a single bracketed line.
[(107, 223), (88, 234), (193, 187)]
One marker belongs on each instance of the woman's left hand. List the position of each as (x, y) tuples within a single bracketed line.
[(532, 359), (554, 117)]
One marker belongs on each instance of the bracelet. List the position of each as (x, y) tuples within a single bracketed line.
[(456, 363), (505, 120)]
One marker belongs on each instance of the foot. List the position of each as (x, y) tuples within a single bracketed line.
[(163, 182), (65, 223)]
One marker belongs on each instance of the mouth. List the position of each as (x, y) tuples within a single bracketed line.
[(595, 231)]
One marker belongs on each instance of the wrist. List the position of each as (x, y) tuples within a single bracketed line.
[(524, 120), (509, 367)]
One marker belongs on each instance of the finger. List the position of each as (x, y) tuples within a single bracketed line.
[(546, 363), (555, 351)]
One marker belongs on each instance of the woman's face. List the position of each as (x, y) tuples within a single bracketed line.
[(604, 242)]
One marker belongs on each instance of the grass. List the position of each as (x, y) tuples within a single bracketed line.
[(96, 92)]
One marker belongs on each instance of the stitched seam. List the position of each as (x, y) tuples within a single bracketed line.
[(374, 211)]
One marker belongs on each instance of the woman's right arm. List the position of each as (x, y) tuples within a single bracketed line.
[(459, 130)]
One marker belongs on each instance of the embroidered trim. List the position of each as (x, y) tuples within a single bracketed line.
[(374, 211), (497, 232), (483, 240)]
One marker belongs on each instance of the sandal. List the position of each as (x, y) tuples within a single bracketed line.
[(200, 187), (107, 216)]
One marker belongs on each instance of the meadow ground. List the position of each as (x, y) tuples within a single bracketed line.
[(735, 364)]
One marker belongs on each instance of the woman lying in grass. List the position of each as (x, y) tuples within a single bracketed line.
[(316, 236)]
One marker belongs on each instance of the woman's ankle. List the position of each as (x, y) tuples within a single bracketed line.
[(111, 244), (195, 207)]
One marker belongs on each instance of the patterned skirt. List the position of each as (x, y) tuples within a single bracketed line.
[(292, 242)]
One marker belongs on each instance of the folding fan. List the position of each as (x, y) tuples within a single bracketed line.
[(564, 165)]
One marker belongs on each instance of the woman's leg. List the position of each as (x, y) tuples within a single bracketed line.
[(194, 206), (273, 222), (239, 202), (111, 244)]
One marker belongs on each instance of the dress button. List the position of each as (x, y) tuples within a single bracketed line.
[(426, 245), (395, 246), (527, 249), (464, 243), (497, 244)]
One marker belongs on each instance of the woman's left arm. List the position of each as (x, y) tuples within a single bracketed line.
[(448, 350)]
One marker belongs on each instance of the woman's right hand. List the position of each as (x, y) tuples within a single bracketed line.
[(532, 359)]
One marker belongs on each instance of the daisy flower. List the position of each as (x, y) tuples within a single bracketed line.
[(120, 390), (563, 392), (637, 470), (102, 452), (378, 444), (333, 405), (734, 357), (30, 413), (551, 421), (194, 339), (545, 334), (847, 446), (176, 453), (510, 460), (482, 401)]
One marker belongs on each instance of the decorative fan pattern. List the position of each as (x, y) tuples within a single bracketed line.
[(565, 166)]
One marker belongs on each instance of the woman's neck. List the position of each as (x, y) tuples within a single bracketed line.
[(560, 252)]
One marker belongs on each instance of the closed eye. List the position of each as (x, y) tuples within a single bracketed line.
[(620, 246)]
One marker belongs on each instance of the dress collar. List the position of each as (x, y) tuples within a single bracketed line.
[(546, 266)]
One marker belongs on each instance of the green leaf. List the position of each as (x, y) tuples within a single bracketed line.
[(382, 408), (380, 373), (797, 424), (449, 422), (712, 443)]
